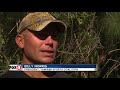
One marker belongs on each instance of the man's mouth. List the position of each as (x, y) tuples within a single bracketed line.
[(48, 53)]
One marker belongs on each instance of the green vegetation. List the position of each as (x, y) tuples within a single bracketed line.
[(91, 38)]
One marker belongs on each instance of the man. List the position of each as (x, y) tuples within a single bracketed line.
[(38, 35)]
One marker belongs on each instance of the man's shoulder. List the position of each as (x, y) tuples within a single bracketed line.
[(14, 74)]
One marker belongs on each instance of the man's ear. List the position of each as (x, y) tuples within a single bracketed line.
[(19, 41)]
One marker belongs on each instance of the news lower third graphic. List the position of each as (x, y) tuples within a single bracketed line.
[(53, 67)]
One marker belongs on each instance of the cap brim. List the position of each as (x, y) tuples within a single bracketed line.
[(40, 26)]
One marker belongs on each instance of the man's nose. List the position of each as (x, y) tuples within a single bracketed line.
[(49, 40)]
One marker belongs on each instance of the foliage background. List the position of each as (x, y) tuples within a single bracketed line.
[(91, 38)]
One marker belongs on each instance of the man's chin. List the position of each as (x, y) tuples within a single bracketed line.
[(47, 61)]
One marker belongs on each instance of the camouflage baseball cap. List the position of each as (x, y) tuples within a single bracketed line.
[(38, 20)]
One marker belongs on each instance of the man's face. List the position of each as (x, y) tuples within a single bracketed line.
[(40, 47)]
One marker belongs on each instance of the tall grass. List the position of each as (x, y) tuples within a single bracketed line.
[(109, 27), (80, 42)]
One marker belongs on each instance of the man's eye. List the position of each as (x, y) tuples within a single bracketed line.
[(43, 37), (55, 37)]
